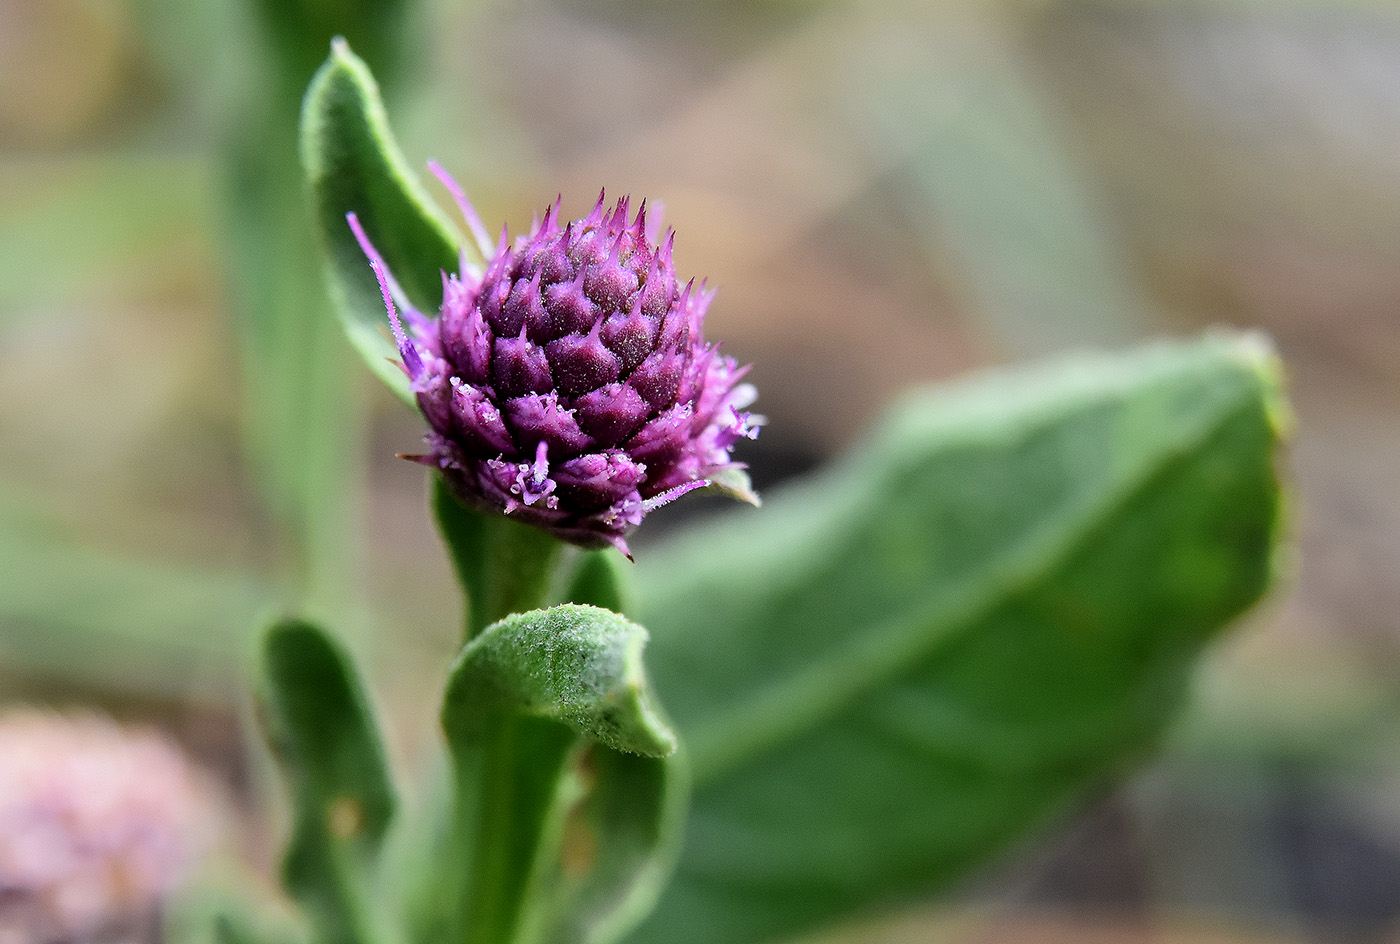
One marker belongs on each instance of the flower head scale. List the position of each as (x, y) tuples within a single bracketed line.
[(568, 383)]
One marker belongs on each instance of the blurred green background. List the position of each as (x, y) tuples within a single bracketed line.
[(887, 193)]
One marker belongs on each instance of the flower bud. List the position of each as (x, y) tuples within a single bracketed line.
[(569, 384)]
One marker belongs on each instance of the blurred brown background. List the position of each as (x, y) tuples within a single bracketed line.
[(887, 193)]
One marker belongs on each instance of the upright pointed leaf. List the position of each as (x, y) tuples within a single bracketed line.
[(909, 661), (568, 796), (323, 732), (353, 165), (300, 29)]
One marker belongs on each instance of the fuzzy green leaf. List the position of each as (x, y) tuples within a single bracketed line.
[(568, 793), (320, 725), (910, 661), (353, 165), (578, 665)]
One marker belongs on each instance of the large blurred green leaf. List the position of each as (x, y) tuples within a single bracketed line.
[(982, 611), (320, 725), (72, 611), (353, 165), (568, 791)]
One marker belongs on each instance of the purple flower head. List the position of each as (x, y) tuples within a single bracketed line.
[(568, 384)]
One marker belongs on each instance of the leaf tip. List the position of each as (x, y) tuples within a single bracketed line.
[(343, 56), (285, 632), (1255, 351)]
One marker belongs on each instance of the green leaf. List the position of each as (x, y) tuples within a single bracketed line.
[(228, 908), (320, 726), (618, 843), (569, 796), (234, 927), (735, 483), (300, 29), (992, 605), (352, 164), (578, 665)]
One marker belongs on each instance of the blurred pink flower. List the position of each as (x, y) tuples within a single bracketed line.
[(98, 824)]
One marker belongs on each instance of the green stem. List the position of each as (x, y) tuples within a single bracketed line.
[(506, 784), (518, 771), (504, 566)]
